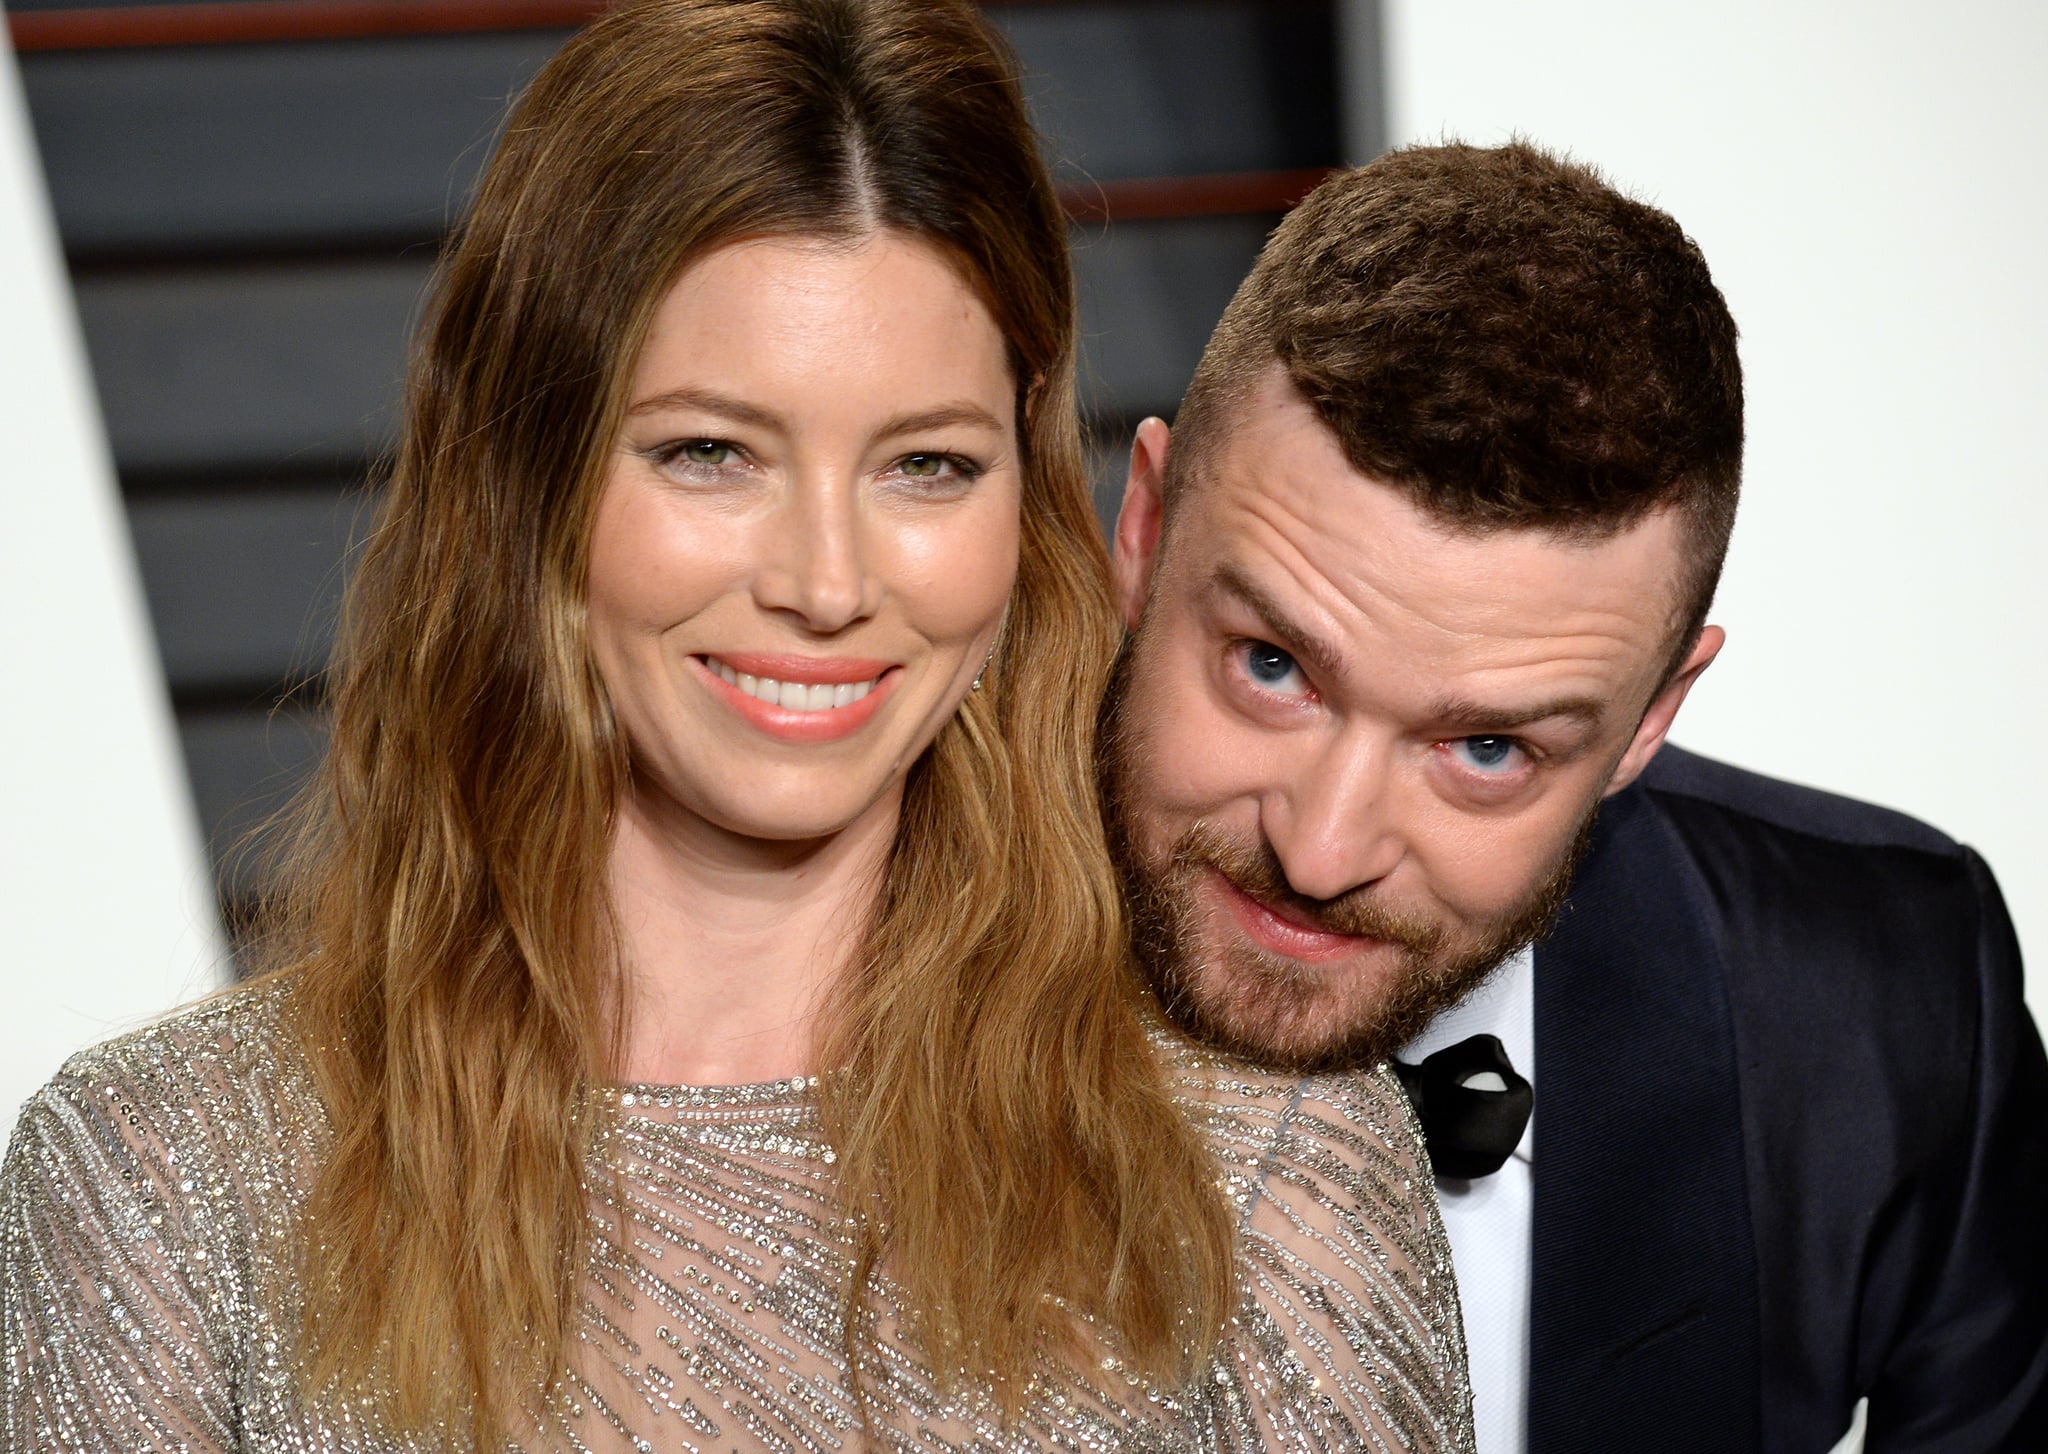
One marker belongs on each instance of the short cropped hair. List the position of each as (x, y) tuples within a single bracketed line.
[(1506, 338)]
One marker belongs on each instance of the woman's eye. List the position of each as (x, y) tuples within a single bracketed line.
[(1272, 669), (694, 454), (1488, 756), (949, 468)]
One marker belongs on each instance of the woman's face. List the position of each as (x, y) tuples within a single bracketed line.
[(809, 532)]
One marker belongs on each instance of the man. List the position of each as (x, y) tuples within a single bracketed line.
[(1416, 588)]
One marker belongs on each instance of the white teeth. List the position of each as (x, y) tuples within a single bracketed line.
[(793, 696)]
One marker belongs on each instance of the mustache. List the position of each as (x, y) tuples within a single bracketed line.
[(1254, 869)]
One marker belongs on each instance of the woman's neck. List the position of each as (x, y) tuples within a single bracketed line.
[(731, 945)]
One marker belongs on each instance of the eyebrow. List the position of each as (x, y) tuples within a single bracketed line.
[(737, 410), (939, 416), (1321, 656), (942, 416), (1482, 717)]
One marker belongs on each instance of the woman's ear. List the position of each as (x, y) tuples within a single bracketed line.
[(1027, 400)]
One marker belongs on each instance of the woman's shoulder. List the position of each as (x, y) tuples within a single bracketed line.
[(221, 1076), (1343, 1144), (1360, 1114), (234, 1031), (144, 1202), (1347, 1269)]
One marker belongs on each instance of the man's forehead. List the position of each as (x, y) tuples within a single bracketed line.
[(1281, 510)]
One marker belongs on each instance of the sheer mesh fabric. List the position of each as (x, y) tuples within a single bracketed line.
[(150, 1192)]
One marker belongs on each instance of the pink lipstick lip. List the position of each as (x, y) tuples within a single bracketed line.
[(793, 726), (810, 671), (1276, 932)]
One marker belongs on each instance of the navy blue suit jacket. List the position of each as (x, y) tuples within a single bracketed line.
[(1791, 1135)]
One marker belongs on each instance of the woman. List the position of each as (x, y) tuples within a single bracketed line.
[(697, 1020)]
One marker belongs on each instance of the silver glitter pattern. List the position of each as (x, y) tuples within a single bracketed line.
[(146, 1303)]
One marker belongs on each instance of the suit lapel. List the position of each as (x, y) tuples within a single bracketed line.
[(1643, 1297)]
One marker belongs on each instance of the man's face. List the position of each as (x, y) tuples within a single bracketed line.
[(1354, 752)]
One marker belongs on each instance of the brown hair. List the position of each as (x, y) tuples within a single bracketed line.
[(444, 922), (1505, 337)]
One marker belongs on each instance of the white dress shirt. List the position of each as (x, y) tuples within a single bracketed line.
[(1487, 1219)]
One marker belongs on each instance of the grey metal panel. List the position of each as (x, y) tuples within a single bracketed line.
[(1109, 460), (1142, 89), (244, 587), (1150, 294), (260, 367), (249, 368), (244, 765), (196, 146), (319, 143)]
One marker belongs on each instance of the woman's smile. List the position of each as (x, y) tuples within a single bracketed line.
[(799, 699)]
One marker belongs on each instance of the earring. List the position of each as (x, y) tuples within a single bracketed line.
[(1001, 627)]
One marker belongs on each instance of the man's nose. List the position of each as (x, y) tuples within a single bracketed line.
[(817, 566), (1334, 824)]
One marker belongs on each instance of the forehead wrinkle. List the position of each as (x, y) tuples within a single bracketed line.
[(1466, 590), (1246, 560), (1369, 586), (1346, 595)]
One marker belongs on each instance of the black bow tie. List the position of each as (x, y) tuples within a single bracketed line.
[(1470, 1131)]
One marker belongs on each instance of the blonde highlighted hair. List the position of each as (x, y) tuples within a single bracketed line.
[(442, 917)]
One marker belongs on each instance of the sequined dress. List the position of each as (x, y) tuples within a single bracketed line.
[(149, 1194)]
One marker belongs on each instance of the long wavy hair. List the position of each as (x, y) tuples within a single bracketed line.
[(442, 917)]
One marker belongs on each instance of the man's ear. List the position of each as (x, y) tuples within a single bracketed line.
[(1139, 522), (1656, 723)]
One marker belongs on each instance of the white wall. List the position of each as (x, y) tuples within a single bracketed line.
[(1866, 181), (106, 902)]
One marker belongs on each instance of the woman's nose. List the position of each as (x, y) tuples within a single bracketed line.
[(818, 567)]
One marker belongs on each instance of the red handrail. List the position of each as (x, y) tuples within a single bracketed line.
[(106, 27), (216, 22), (221, 23)]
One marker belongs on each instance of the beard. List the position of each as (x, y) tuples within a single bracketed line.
[(1270, 1008)]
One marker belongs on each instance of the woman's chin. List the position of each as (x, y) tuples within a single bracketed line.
[(785, 813)]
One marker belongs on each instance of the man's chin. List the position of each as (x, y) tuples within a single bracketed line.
[(1312, 1018), (1281, 1012)]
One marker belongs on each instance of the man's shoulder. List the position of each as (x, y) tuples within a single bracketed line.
[(1862, 898), (1688, 786), (1816, 902)]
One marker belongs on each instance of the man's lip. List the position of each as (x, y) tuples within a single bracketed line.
[(813, 671), (1282, 934)]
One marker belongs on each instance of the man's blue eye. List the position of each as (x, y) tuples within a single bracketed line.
[(1268, 664), (1488, 754)]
